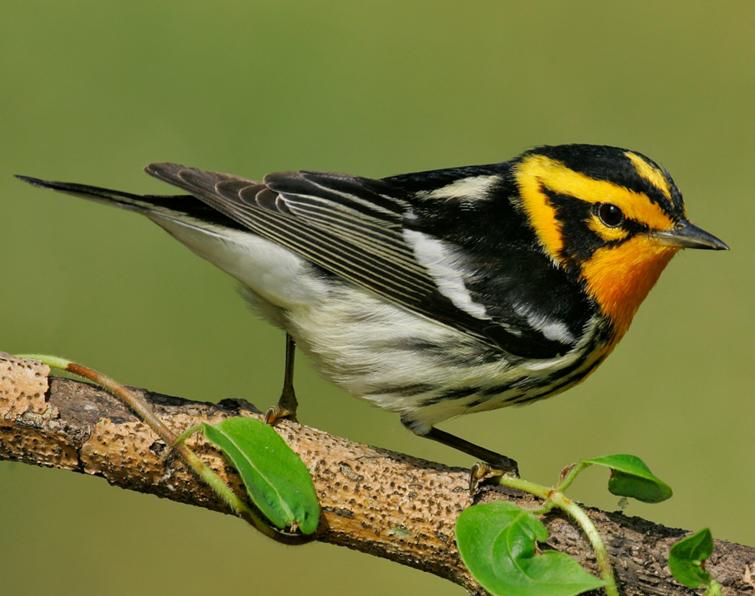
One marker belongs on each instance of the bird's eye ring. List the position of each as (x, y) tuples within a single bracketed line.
[(609, 214)]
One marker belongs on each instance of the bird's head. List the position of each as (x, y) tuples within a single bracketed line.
[(610, 216)]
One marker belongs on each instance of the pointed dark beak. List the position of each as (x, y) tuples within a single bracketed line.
[(686, 235)]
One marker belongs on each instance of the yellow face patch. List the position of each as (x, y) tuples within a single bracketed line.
[(650, 173), (538, 171), (541, 213)]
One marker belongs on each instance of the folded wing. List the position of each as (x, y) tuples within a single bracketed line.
[(354, 228)]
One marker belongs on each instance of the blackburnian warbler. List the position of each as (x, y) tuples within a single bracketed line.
[(438, 293)]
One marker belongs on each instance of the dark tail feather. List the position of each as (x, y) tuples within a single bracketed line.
[(127, 200), (174, 207)]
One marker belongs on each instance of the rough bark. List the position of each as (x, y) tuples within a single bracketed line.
[(376, 501)]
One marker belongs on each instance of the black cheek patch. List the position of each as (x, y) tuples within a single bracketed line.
[(579, 241)]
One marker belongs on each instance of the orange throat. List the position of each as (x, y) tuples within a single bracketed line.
[(620, 277)]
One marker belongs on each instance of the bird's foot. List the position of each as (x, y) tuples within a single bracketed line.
[(276, 413), (285, 409), (483, 471)]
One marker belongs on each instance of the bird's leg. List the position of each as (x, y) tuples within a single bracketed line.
[(491, 464), (286, 406)]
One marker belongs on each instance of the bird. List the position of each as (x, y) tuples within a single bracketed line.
[(438, 293)]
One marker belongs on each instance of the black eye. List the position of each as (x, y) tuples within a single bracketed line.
[(610, 214)]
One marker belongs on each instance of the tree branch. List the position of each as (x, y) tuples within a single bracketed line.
[(376, 501)]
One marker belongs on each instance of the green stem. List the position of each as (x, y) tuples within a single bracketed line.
[(556, 498), (187, 433), (713, 589), (572, 475), (598, 546), (526, 486)]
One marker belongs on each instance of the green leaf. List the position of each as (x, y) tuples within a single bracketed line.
[(497, 543), (686, 558), (276, 479), (630, 477)]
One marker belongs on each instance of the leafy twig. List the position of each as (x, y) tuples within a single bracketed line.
[(141, 407)]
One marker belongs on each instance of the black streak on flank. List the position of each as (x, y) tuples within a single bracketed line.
[(450, 395)]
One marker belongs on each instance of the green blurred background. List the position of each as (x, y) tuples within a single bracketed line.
[(91, 91)]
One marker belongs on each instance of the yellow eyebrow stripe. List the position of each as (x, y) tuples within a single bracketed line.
[(649, 173), (554, 175), (538, 171)]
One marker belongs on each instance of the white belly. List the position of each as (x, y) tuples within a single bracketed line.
[(375, 350)]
